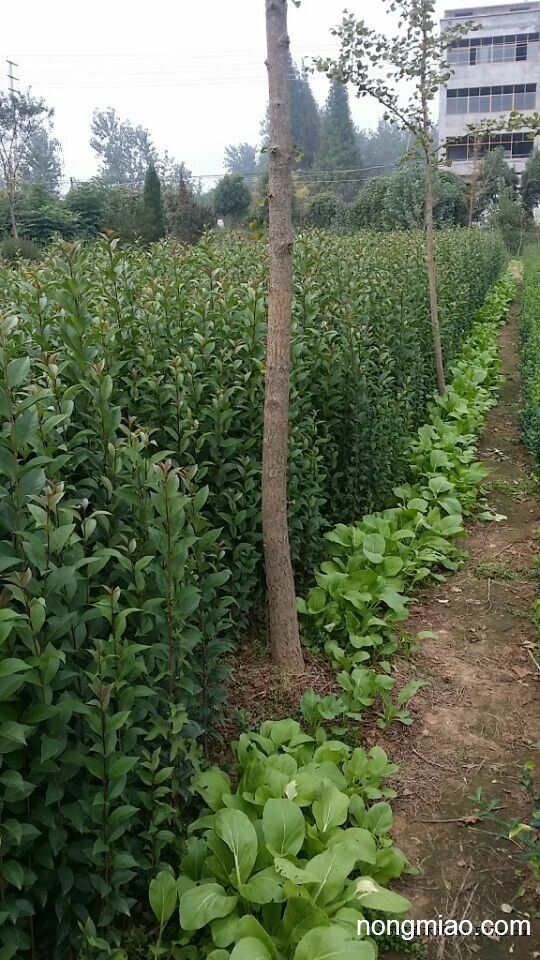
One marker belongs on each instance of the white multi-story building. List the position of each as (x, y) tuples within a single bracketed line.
[(496, 69)]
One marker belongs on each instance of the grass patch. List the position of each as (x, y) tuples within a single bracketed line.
[(494, 570), (527, 486)]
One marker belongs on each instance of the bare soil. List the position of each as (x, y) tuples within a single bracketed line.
[(477, 721)]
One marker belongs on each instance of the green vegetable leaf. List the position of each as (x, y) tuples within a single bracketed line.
[(238, 833), (283, 827), (213, 785), (372, 895), (378, 819), (163, 896), (373, 547), (250, 949), (333, 943), (330, 810), (202, 904), (331, 869), (261, 889)]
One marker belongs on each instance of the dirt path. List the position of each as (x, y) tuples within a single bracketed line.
[(476, 722)]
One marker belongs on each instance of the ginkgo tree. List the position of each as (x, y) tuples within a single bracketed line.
[(403, 72)]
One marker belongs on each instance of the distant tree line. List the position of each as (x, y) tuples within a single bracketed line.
[(328, 149), (347, 179), (344, 179), (137, 193)]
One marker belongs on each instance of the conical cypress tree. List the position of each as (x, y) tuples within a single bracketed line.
[(338, 149), (154, 221), (305, 120), (305, 117)]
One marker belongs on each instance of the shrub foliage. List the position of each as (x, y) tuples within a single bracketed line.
[(360, 595), (131, 389), (530, 354)]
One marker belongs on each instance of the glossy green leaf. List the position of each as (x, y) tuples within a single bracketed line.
[(333, 943), (204, 903), (283, 826), (238, 833), (330, 810), (250, 949), (163, 896), (370, 894)]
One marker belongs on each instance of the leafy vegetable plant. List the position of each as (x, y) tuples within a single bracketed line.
[(284, 865)]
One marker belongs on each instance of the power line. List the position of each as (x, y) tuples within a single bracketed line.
[(315, 49), (169, 68), (307, 176), (145, 82)]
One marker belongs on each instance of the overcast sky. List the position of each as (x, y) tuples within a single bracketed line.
[(192, 71)]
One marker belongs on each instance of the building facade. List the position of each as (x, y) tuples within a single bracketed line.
[(496, 68)]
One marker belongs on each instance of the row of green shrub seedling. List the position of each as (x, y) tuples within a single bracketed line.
[(284, 865), (175, 339), (360, 595), (529, 329), (526, 830)]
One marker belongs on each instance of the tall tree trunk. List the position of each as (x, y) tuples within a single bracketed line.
[(284, 635), (474, 181), (430, 264), (427, 146), (12, 212)]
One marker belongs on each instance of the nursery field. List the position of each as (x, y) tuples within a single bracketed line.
[(131, 392)]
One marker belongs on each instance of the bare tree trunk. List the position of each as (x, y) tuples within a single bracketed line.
[(284, 635), (12, 213), (474, 181), (472, 197), (430, 264)]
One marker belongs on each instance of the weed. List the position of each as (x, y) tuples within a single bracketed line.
[(494, 570), (524, 831), (526, 486), (242, 718)]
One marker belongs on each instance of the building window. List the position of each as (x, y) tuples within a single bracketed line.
[(505, 49), (515, 145), (520, 96)]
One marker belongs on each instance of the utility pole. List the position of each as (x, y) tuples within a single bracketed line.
[(12, 79)]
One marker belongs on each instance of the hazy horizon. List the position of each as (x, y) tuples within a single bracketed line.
[(194, 78)]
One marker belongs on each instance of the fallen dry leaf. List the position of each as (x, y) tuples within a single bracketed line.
[(521, 672)]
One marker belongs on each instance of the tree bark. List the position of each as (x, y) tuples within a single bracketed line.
[(283, 618), (427, 146), (12, 213), (474, 181), (430, 265)]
